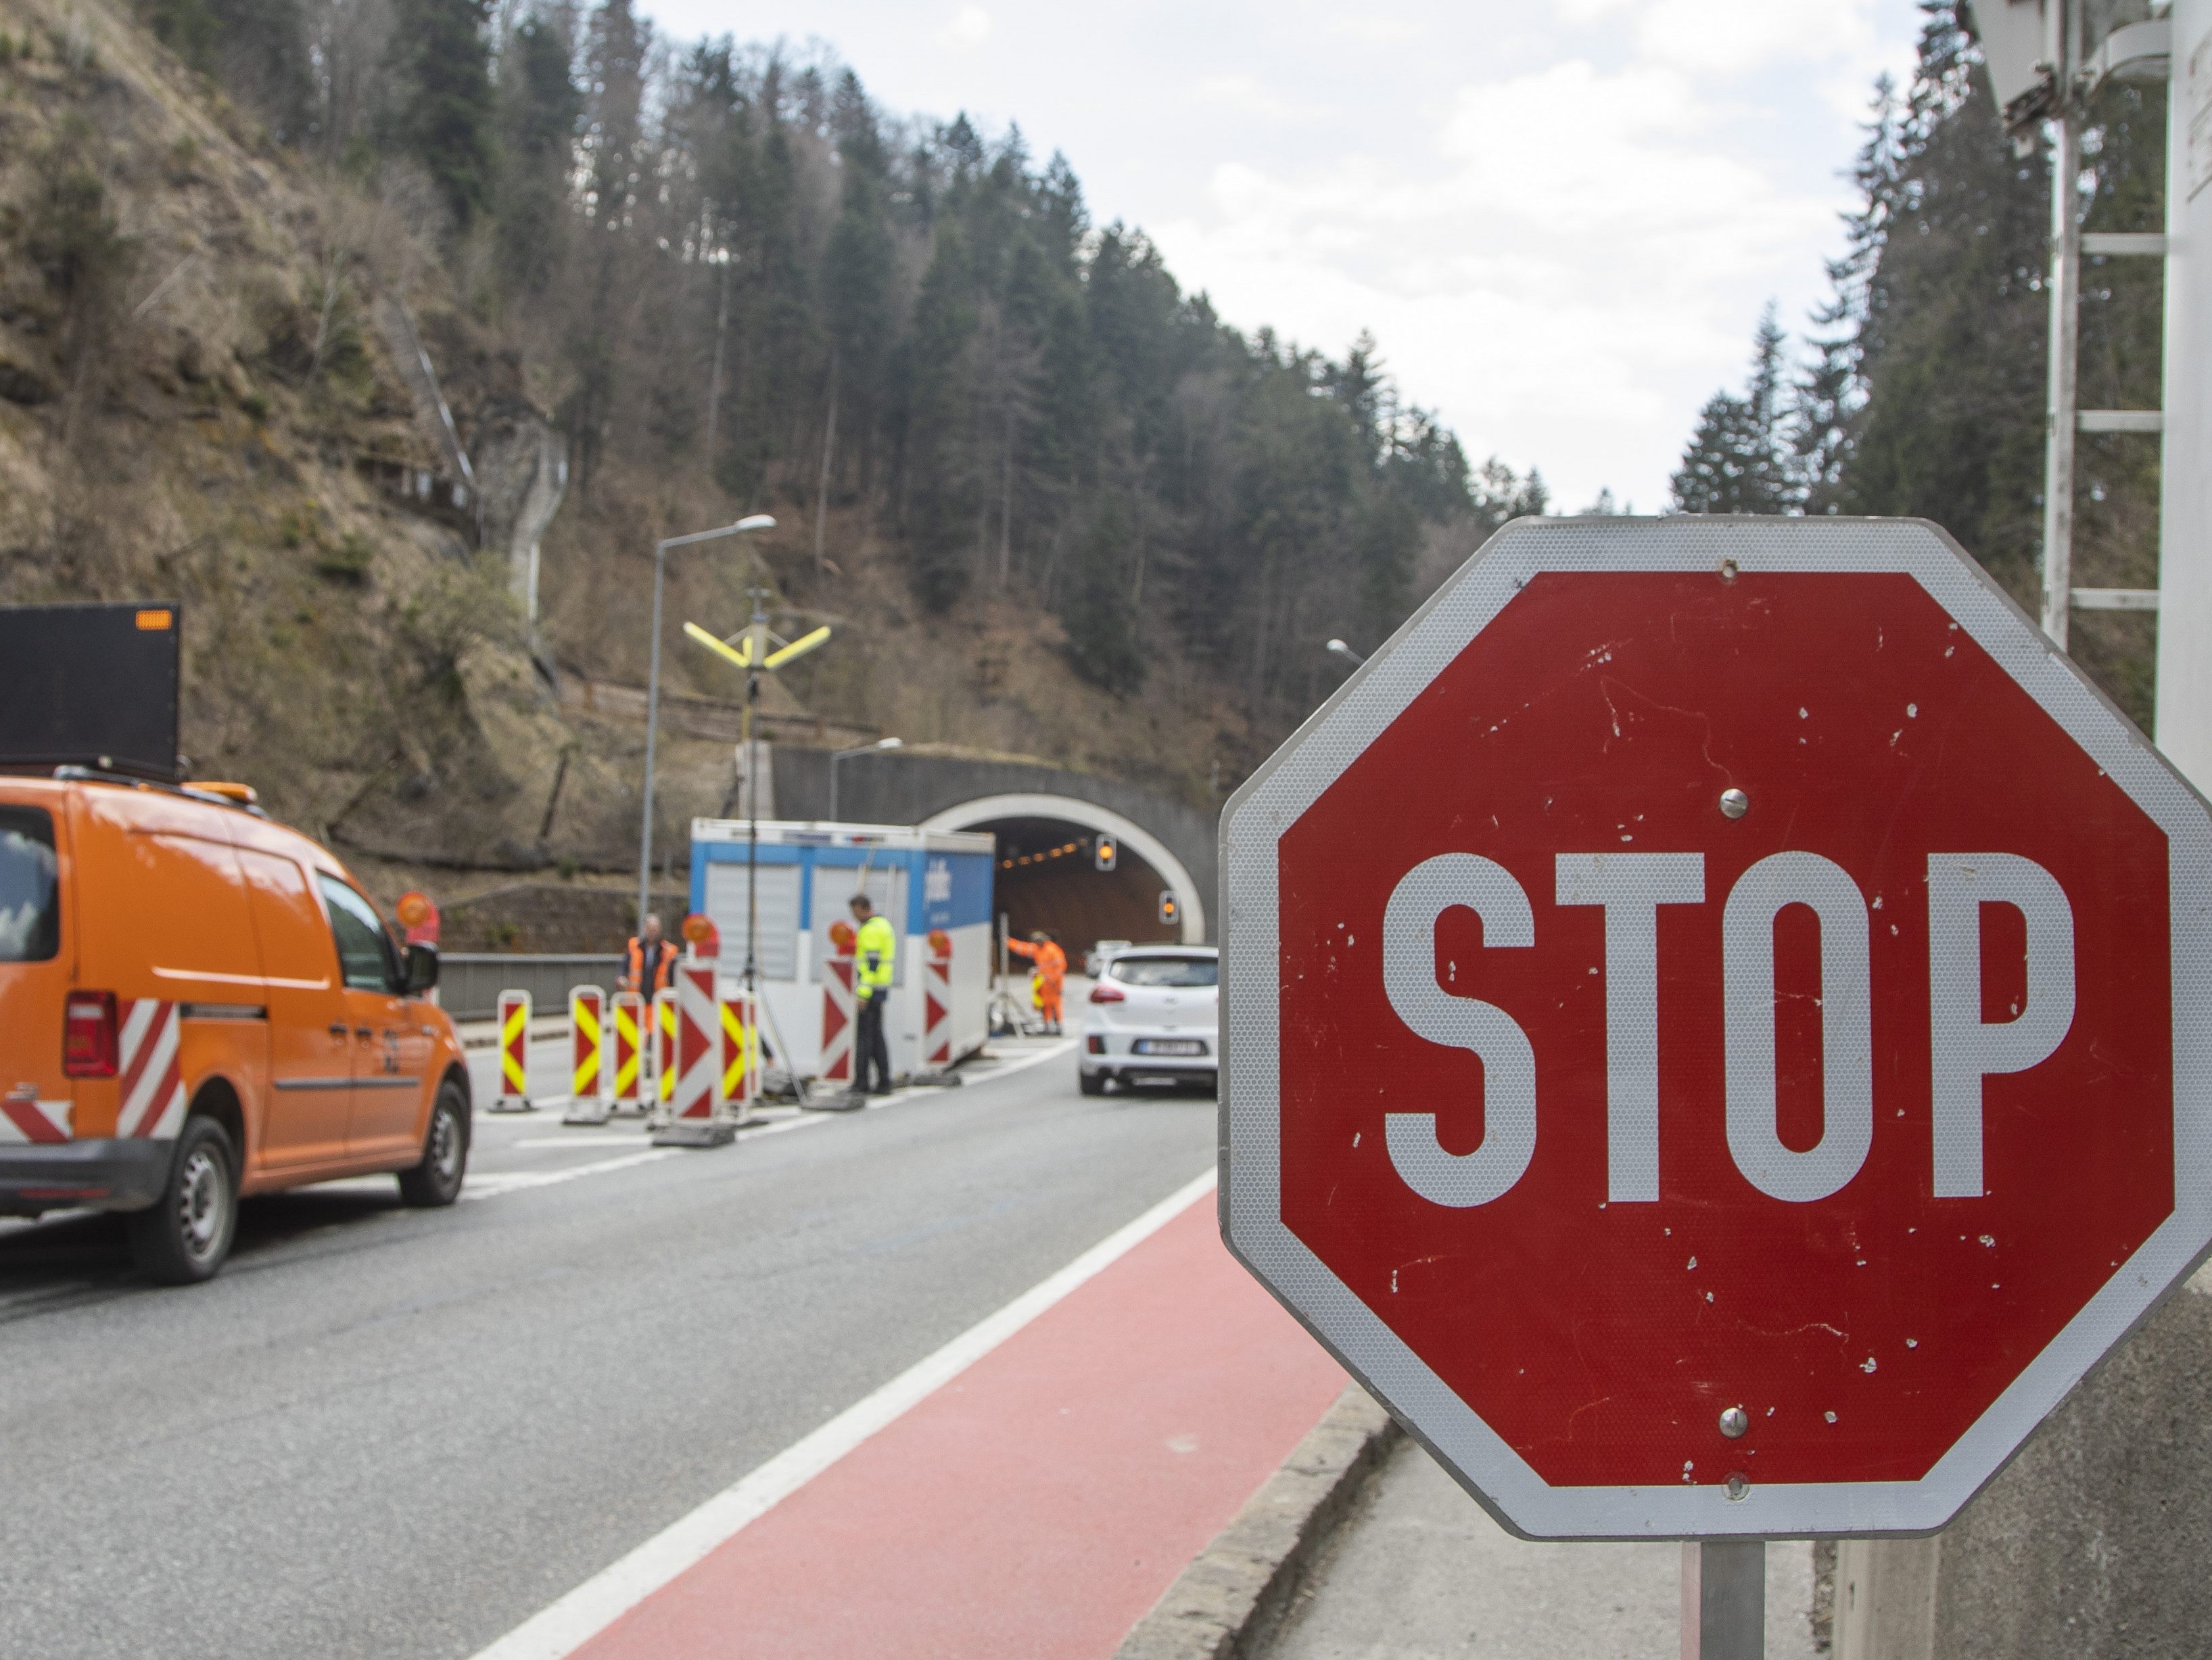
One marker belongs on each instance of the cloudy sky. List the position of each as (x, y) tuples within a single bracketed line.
[(1559, 219)]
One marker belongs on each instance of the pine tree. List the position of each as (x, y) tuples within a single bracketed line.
[(1831, 394), (1931, 396), (1099, 613), (1741, 454), (943, 513), (258, 49), (540, 109), (1710, 478), (442, 115), (1951, 342)]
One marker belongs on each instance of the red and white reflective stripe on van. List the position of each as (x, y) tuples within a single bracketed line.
[(153, 1089), (25, 1120)]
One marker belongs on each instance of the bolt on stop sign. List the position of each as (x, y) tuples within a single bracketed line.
[(1714, 1026)]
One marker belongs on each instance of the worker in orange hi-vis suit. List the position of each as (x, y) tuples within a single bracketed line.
[(1045, 980)]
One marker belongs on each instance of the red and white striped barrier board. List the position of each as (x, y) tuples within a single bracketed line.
[(937, 1000), (152, 1091), (587, 1090), (663, 1044), (513, 1052), (693, 1117), (26, 1118), (739, 1085), (698, 1053), (838, 1009), (626, 1072)]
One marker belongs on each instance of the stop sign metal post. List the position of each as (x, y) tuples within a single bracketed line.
[(1713, 1032)]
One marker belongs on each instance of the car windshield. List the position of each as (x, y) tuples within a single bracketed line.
[(30, 903), (1165, 971)]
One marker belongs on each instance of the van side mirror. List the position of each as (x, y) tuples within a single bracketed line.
[(422, 968)]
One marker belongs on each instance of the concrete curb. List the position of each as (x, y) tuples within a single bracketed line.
[(1228, 1601)]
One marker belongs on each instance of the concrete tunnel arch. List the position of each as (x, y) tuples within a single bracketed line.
[(1089, 814)]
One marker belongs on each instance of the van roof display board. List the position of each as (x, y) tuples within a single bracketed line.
[(1715, 1027), (93, 685)]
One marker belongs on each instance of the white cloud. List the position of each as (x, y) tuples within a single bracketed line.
[(971, 25), (1576, 243), (1374, 29), (1734, 37), (1589, 11), (1244, 95)]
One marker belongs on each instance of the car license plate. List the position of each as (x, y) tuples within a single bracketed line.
[(1169, 1046)]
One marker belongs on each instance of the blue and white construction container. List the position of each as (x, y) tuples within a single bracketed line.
[(922, 881)]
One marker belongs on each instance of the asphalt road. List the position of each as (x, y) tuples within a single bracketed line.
[(391, 1433)]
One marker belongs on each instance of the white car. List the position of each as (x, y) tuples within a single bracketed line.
[(1154, 1015)]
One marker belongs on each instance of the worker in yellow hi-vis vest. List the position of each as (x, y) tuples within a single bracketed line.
[(875, 955)]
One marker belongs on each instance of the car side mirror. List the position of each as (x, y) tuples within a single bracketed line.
[(422, 968)]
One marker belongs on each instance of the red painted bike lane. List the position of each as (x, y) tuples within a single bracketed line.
[(1036, 1505)]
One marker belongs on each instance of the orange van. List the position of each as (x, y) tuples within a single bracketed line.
[(197, 1004)]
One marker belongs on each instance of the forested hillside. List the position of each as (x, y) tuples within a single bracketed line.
[(1053, 505), (1923, 389), (1057, 507)]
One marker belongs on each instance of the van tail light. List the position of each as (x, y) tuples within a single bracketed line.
[(1102, 993), (88, 1046)]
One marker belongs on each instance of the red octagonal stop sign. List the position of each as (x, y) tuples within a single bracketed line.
[(1711, 1025)]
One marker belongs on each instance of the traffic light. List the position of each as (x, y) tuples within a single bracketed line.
[(1103, 852), (1170, 912)]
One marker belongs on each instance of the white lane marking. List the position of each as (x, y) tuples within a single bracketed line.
[(745, 1132), (537, 1103), (493, 1183), (589, 1609), (1003, 1069), (777, 1126)]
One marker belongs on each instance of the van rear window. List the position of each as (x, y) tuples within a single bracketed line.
[(30, 886)]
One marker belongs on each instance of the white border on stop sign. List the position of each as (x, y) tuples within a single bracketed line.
[(1272, 800)]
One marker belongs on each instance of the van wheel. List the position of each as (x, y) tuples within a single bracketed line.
[(437, 1180), (1091, 1083), (183, 1238)]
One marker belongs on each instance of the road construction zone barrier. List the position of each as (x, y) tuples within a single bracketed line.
[(838, 1009), (739, 1086), (693, 1117), (664, 1046), (626, 1071), (936, 1001), (587, 1089), (513, 1052)]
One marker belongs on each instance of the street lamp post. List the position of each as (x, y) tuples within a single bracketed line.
[(759, 654), (846, 755), (757, 521), (1340, 649)]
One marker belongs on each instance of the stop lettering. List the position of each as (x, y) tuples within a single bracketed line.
[(1714, 976)]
